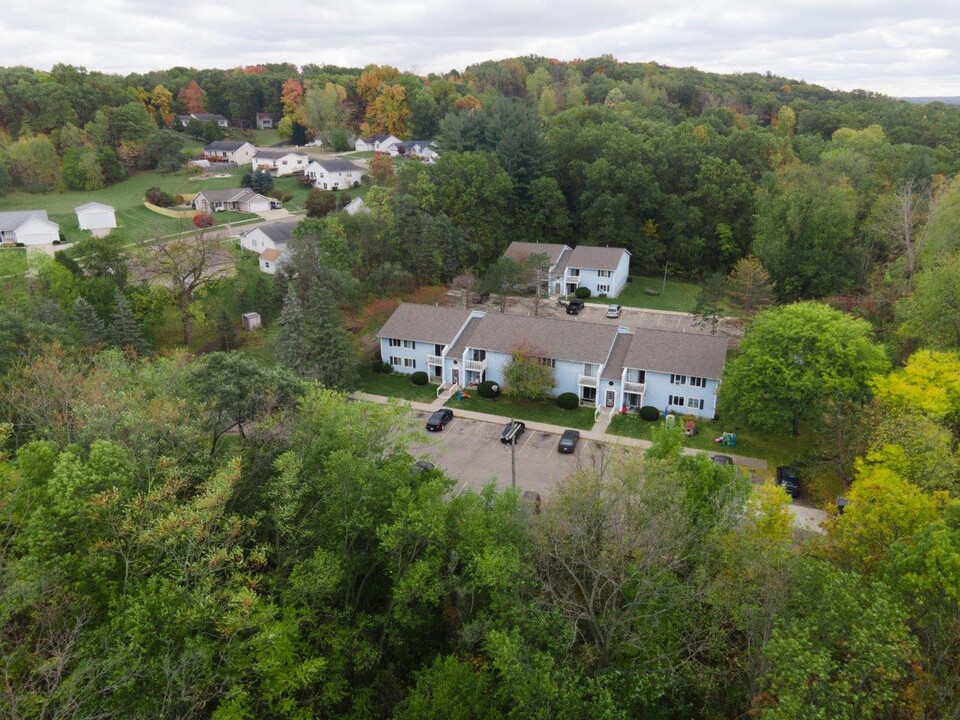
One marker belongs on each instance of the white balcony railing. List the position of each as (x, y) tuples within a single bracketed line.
[(587, 380), (634, 387), (475, 365), (434, 360)]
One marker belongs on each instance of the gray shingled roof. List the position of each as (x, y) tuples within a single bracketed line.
[(229, 195), (337, 164), (277, 154), (575, 340), (12, 220), (683, 353), (596, 258), (464, 340), (224, 146), (427, 323), (280, 232), (613, 369), (520, 250)]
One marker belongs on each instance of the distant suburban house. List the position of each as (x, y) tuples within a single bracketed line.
[(607, 366), (280, 162), (203, 117), (556, 253), (376, 143), (267, 121), (357, 205), (239, 199), (28, 227), (421, 149), (96, 217), (334, 173), (604, 270), (233, 151), (270, 243)]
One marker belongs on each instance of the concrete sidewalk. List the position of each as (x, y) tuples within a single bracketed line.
[(603, 437)]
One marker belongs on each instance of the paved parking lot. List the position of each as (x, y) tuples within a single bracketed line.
[(471, 451)]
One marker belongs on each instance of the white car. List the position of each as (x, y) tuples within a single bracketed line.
[(613, 311)]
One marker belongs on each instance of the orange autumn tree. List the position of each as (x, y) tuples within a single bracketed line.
[(291, 97), (388, 114), (192, 97), (372, 79)]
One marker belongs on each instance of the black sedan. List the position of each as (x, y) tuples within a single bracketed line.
[(568, 441), (574, 307), (439, 419), (512, 432), (789, 479)]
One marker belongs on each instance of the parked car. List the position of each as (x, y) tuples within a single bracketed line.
[(613, 311), (789, 479), (568, 441), (439, 419), (512, 431), (722, 459), (574, 307)]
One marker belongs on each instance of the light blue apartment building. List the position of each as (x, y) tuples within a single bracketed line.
[(603, 270), (608, 366)]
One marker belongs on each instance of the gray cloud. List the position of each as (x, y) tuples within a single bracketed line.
[(893, 47)]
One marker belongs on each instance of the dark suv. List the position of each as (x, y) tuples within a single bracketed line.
[(789, 479), (568, 441), (574, 307)]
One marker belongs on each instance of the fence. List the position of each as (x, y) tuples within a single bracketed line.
[(168, 212)]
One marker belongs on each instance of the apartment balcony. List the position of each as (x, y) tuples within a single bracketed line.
[(434, 360), (475, 365), (587, 380), (635, 388)]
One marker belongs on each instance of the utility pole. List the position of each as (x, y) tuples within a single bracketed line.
[(513, 456)]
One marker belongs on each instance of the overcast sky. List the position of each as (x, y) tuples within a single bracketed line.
[(899, 48)]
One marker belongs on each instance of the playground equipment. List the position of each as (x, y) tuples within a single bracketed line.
[(461, 395), (729, 439), (689, 428)]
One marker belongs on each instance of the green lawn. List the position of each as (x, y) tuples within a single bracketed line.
[(537, 411), (364, 155), (679, 295), (775, 448), (265, 138), (396, 385), (127, 199), (13, 261)]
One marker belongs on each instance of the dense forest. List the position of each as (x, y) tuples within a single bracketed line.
[(197, 523)]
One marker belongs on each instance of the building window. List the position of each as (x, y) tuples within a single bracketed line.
[(631, 400), (678, 379), (588, 393), (547, 362), (695, 403), (604, 273), (698, 382), (284, 162), (409, 362), (675, 400), (410, 344), (438, 349), (394, 342), (603, 288), (573, 272), (394, 360)]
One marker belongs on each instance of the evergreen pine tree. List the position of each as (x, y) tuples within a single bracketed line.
[(89, 326), (125, 331), (291, 348), (331, 358)]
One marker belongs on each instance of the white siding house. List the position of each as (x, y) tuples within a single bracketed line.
[(272, 236), (280, 162), (355, 206), (28, 227), (272, 259), (603, 270), (376, 143), (96, 217), (240, 153), (203, 117), (608, 367), (239, 199), (334, 173)]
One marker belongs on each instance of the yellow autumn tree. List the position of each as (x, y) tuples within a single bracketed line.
[(929, 384), (372, 79), (388, 114)]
